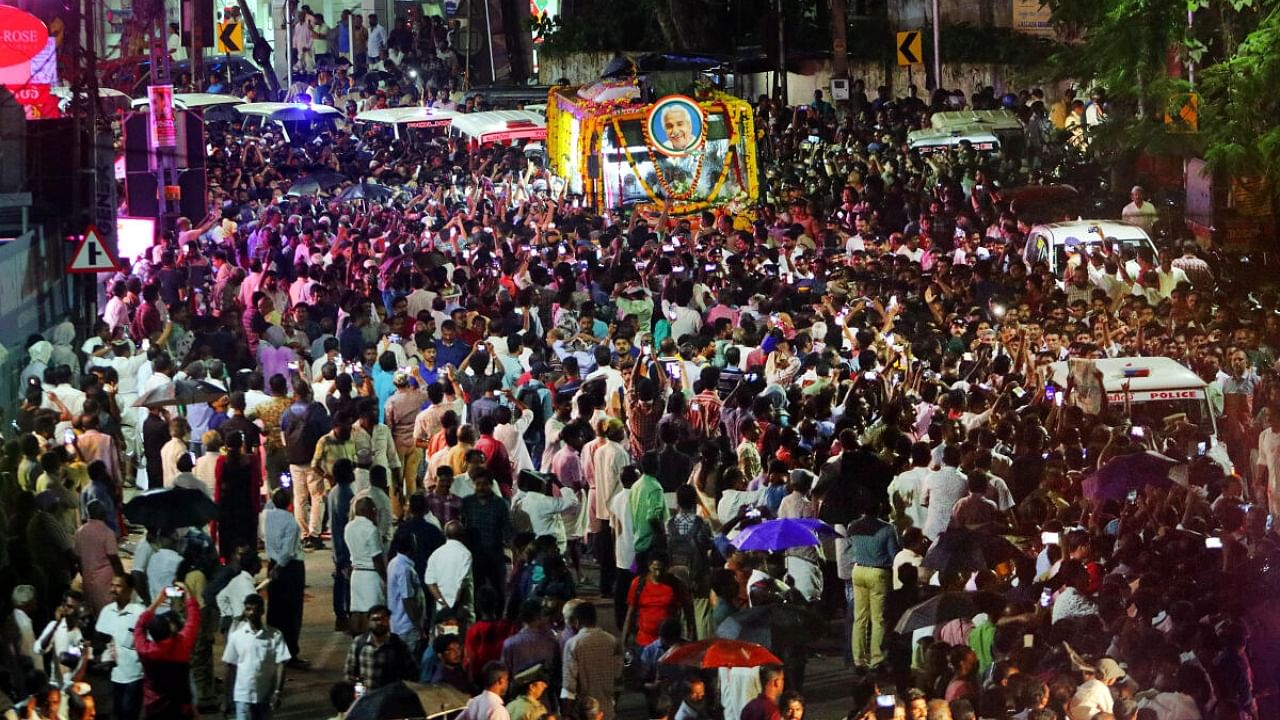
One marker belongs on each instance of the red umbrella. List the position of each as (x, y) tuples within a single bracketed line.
[(719, 653)]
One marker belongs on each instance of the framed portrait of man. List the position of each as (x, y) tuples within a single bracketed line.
[(676, 125)]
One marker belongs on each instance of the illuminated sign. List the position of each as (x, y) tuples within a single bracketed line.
[(533, 133), (22, 36), (37, 101)]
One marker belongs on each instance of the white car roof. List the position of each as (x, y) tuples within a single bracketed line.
[(1164, 374), (502, 125), (266, 109), (991, 119), (1084, 231), (403, 115), (188, 101)]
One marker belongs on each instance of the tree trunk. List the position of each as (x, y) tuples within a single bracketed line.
[(839, 38), (666, 24)]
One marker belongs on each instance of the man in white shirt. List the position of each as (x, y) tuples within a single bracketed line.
[(255, 656), (116, 312), (377, 47), (613, 382), (624, 545), (943, 488), (544, 508), (488, 705), (368, 563), (448, 572), (1139, 212), (1170, 275), (24, 603), (160, 563), (117, 620), (906, 492), (912, 553), (70, 397), (1093, 696), (684, 319), (61, 635), (510, 432), (377, 492), (230, 599), (605, 479)]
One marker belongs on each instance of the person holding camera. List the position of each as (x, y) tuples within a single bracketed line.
[(63, 643)]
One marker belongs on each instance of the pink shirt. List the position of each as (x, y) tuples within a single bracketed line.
[(95, 545)]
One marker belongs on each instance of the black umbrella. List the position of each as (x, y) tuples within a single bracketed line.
[(328, 178), (773, 626), (389, 702), (947, 606), (1125, 473), (313, 183), (961, 550), (171, 508), (366, 191), (180, 392), (303, 186)]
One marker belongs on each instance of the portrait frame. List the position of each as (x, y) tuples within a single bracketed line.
[(656, 131)]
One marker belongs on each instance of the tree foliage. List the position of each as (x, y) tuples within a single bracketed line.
[(1241, 117), (1129, 46)]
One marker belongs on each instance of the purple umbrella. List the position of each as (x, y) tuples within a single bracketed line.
[(1126, 473), (775, 535)]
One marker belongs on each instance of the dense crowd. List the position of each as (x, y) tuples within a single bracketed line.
[(506, 417)]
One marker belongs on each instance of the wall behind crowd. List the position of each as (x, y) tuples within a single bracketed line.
[(35, 295), (583, 68)]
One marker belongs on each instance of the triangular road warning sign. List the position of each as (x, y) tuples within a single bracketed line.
[(92, 256)]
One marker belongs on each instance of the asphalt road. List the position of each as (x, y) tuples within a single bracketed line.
[(306, 694)]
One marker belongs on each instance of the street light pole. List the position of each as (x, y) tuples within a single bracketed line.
[(782, 54), (937, 45)]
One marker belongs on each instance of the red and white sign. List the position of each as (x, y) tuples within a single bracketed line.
[(92, 256), (36, 99), (22, 35), (532, 132), (164, 132), (442, 122), (1156, 395)]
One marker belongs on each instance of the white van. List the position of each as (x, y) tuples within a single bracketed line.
[(500, 126), (930, 141), (1161, 388), (404, 121), (1050, 243), (297, 121), (1167, 389), (997, 121)]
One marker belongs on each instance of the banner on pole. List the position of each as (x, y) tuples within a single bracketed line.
[(164, 133)]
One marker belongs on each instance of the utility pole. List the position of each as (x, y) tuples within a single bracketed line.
[(194, 20), (937, 45), (262, 49), (164, 157), (782, 54)]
